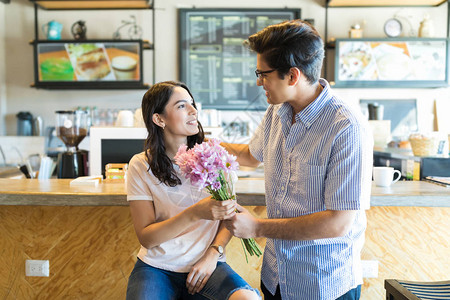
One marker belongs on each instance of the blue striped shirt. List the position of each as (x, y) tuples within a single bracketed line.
[(322, 161)]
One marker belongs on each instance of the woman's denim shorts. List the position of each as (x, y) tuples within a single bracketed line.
[(147, 282)]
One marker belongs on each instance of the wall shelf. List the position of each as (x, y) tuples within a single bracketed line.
[(92, 4), (146, 45), (112, 82), (109, 86)]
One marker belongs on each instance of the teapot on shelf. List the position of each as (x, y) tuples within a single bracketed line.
[(79, 30), (52, 30)]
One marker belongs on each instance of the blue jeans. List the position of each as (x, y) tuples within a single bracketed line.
[(353, 294), (147, 282)]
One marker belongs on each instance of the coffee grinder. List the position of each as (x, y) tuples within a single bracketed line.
[(71, 128)]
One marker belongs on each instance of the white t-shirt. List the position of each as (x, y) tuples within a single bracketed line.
[(181, 253)]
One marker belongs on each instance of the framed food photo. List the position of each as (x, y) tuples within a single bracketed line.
[(98, 64), (395, 63)]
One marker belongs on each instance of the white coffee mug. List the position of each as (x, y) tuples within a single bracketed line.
[(384, 176), (125, 118)]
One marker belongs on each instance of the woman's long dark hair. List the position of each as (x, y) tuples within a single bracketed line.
[(154, 102)]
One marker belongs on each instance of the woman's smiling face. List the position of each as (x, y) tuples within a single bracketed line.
[(180, 115)]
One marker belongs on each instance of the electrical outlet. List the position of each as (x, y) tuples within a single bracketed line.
[(369, 268), (37, 268)]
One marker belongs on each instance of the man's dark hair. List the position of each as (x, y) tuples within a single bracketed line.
[(290, 44)]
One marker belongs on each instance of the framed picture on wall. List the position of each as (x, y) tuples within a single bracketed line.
[(400, 62), (93, 64)]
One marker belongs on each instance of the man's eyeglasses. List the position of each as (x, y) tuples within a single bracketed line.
[(259, 73)]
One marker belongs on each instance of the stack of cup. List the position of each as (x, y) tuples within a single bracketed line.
[(125, 118)]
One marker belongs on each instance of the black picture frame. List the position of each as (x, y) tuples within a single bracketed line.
[(40, 82), (360, 64), (209, 81)]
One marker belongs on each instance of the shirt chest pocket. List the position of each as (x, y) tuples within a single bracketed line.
[(309, 183)]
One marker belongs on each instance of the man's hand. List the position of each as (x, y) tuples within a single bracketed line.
[(243, 224)]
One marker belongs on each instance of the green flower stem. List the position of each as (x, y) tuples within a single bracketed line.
[(225, 193), (245, 253)]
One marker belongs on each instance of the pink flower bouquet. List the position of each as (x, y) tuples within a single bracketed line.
[(208, 165)]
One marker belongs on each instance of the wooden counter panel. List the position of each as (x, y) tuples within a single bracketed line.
[(92, 250), (410, 243)]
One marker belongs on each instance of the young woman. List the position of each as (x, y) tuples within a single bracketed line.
[(179, 228)]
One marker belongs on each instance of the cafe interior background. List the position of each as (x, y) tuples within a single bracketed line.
[(17, 71), (432, 104)]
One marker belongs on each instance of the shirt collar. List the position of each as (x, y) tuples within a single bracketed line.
[(310, 113)]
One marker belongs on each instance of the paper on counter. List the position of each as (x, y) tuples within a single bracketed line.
[(87, 181)]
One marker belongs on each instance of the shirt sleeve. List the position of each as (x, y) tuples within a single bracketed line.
[(348, 178), (256, 145), (138, 179)]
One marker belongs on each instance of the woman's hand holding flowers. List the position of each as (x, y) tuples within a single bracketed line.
[(211, 209)]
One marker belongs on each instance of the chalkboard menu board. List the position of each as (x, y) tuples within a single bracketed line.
[(215, 65)]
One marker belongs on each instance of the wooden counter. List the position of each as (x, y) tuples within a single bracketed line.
[(88, 236), (57, 192)]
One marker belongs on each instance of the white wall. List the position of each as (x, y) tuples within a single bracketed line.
[(102, 24), (2, 69)]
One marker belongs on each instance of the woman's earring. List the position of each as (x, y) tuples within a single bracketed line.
[(163, 126)]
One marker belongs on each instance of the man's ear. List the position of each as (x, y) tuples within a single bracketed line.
[(156, 118), (294, 75)]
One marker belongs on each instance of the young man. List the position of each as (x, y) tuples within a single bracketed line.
[(317, 155)]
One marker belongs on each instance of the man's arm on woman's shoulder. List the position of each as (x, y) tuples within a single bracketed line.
[(242, 152)]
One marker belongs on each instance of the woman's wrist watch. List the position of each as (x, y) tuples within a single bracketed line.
[(219, 249)]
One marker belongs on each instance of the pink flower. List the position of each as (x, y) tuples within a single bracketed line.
[(216, 186), (203, 163)]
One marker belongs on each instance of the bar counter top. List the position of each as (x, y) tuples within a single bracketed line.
[(250, 192)]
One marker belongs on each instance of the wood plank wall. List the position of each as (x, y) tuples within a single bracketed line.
[(92, 250)]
